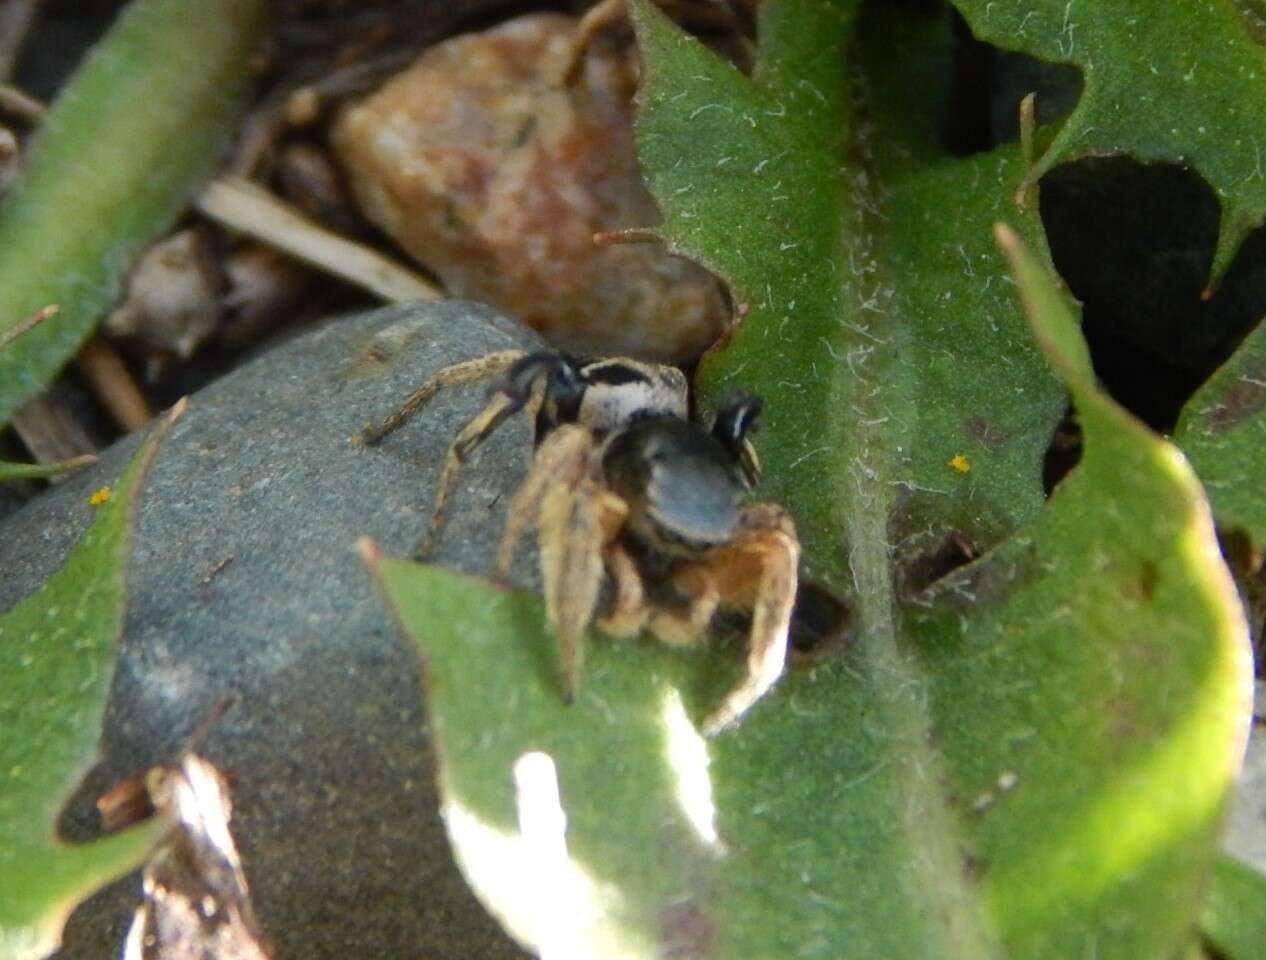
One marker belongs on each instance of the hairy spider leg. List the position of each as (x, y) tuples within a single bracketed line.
[(576, 521), (628, 612), (463, 445), (760, 563), (631, 612), (685, 627), (572, 529), (564, 457), (468, 371), (468, 440), (757, 572)]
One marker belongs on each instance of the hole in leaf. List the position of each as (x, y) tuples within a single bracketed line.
[(1063, 452), (821, 623), (927, 568), (987, 85), (1134, 243)]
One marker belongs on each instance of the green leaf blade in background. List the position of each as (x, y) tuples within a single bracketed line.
[(863, 464), (119, 154), (752, 141), (57, 651), (1221, 430), (42, 471), (1233, 921), (1180, 82)]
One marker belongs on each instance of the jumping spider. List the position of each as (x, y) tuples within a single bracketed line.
[(622, 480)]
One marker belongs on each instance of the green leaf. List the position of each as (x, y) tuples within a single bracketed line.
[(1106, 655), (40, 471), (1084, 695), (1152, 91), (1234, 920), (493, 690), (129, 138), (57, 651), (877, 295), (1221, 430), (1044, 760), (1029, 758)]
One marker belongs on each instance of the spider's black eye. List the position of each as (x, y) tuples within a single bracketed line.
[(736, 419)]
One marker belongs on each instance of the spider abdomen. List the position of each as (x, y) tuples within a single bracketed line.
[(681, 485)]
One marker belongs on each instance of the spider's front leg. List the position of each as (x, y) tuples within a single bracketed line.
[(576, 520), (757, 571)]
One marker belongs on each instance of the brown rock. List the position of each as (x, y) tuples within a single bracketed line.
[(495, 176)]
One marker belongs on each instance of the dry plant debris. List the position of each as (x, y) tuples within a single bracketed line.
[(172, 300)]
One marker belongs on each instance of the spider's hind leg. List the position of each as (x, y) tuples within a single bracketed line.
[(468, 371), (471, 436)]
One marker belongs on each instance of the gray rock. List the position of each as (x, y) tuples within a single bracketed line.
[(244, 580), (1245, 836)]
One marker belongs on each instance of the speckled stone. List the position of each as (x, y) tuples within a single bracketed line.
[(245, 581)]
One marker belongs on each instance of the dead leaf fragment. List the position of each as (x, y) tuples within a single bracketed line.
[(197, 904)]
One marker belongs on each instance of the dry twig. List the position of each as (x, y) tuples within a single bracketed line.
[(113, 384), (30, 323), (247, 208), (16, 18), (21, 105)]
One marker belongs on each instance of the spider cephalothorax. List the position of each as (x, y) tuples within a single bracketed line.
[(623, 482)]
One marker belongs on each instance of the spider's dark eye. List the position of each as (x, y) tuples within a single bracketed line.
[(736, 419)]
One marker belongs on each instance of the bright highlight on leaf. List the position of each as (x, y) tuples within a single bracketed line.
[(687, 755), (57, 650)]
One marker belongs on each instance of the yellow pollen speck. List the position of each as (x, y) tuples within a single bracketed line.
[(99, 497), (959, 463)]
